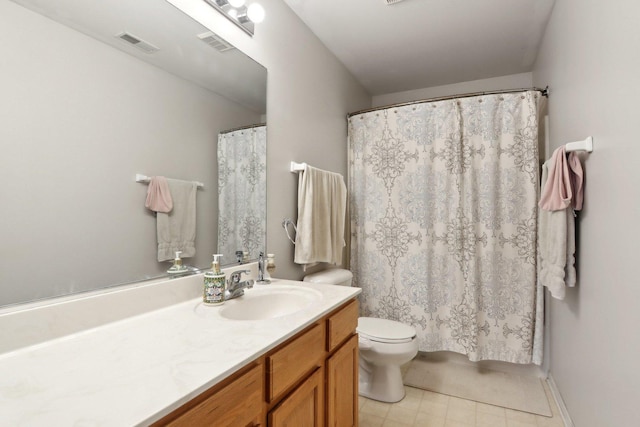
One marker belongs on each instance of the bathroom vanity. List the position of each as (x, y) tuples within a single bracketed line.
[(181, 363), (311, 376)]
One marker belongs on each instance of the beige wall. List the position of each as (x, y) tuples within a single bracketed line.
[(590, 58), (309, 94)]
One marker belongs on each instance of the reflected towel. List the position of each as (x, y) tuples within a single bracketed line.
[(564, 185), (158, 195), (322, 205), (556, 246), (177, 229)]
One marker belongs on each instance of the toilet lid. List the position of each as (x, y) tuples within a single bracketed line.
[(383, 330)]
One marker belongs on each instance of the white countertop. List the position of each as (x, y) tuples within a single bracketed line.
[(138, 369)]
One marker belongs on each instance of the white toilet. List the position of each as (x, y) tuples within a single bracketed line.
[(385, 345)]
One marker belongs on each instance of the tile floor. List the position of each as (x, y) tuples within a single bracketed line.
[(428, 409)]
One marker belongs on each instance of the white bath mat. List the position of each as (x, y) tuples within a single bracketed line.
[(508, 390)]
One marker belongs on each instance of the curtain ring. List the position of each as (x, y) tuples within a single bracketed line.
[(285, 224)]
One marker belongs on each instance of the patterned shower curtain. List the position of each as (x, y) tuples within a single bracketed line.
[(242, 193), (443, 222)]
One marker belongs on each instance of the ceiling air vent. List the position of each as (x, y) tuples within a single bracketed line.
[(390, 2), (215, 41), (137, 43)]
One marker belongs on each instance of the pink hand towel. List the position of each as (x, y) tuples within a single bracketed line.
[(158, 195), (577, 179), (564, 184)]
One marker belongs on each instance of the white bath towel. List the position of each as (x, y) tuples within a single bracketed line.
[(322, 205), (556, 246), (177, 229)]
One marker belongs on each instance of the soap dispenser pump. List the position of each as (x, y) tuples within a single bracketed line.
[(214, 283), (177, 267)]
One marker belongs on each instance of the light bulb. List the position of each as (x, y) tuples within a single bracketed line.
[(255, 13), (233, 13), (236, 3)]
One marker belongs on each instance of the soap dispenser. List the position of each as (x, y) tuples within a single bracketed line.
[(177, 267), (214, 283)]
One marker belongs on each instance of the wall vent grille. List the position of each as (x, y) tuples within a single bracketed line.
[(138, 43), (390, 2), (216, 42)]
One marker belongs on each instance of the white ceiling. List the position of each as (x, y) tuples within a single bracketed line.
[(416, 44)]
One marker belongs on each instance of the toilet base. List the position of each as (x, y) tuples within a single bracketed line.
[(382, 383)]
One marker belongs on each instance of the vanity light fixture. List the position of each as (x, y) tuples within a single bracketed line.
[(243, 15), (255, 13)]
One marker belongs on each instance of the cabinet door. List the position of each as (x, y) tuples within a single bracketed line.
[(303, 407), (342, 386)]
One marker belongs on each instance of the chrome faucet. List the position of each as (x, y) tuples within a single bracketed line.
[(261, 266), (235, 287)]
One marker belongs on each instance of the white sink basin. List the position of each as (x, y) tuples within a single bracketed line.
[(268, 302)]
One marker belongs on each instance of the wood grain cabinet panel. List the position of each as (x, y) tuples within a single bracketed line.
[(303, 407), (342, 386), (291, 363), (237, 404), (342, 324)]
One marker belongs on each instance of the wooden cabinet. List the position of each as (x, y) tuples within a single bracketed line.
[(235, 402), (342, 324), (303, 407), (342, 385), (290, 363), (311, 380)]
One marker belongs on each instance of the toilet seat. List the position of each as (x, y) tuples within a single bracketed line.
[(384, 331)]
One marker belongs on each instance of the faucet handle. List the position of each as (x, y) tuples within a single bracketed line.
[(237, 275)]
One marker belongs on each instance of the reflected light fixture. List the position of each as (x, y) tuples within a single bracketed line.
[(237, 11), (255, 12)]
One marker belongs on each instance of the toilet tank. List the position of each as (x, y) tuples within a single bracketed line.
[(332, 276)]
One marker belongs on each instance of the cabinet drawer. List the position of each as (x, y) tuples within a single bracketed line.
[(237, 404), (285, 367), (342, 324)]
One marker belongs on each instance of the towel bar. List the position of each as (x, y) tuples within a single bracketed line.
[(298, 167), (145, 180), (584, 145)]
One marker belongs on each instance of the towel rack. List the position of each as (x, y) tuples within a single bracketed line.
[(584, 145), (285, 224), (298, 167), (145, 180)]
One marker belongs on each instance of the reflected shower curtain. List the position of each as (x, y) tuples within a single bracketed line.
[(443, 220), (242, 192)]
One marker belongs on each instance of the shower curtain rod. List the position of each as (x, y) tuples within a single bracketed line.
[(543, 92), (243, 127)]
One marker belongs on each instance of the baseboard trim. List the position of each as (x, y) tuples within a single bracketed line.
[(564, 413)]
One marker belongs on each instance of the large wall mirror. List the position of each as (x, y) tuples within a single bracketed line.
[(93, 93)]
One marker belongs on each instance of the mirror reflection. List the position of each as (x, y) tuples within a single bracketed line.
[(83, 112), (242, 196)]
